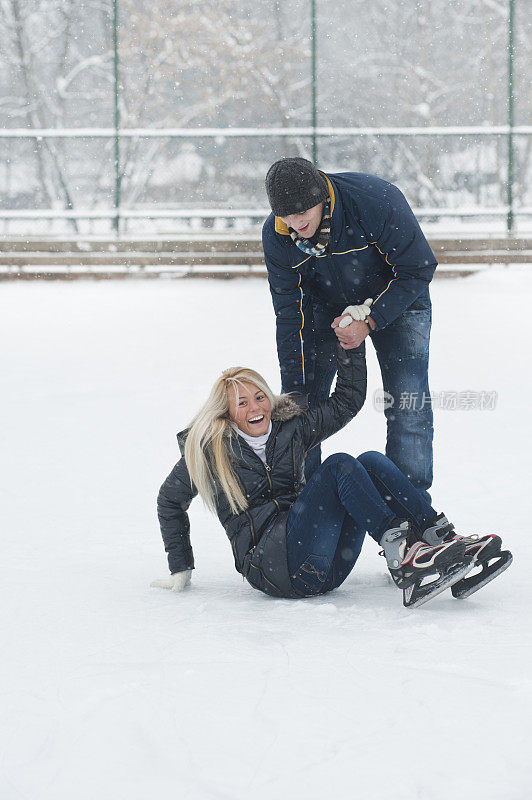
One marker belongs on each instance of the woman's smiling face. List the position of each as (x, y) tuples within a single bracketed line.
[(249, 409)]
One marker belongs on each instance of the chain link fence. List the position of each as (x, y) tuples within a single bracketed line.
[(440, 110)]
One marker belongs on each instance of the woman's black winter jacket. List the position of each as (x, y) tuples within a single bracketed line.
[(258, 535)]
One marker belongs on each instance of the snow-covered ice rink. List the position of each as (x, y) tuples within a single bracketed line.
[(114, 690)]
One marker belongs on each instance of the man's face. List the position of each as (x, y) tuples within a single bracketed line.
[(307, 223)]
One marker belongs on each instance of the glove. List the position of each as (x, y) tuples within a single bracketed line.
[(176, 582), (357, 313)]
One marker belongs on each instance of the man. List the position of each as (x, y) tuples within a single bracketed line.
[(349, 242)]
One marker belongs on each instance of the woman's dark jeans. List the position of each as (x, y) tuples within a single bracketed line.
[(345, 499)]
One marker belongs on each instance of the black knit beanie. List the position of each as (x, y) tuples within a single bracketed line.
[(294, 185)]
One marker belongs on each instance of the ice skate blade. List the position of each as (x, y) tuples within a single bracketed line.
[(413, 597), (465, 588)]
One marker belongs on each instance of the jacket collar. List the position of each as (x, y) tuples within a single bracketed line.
[(285, 408), (282, 228)]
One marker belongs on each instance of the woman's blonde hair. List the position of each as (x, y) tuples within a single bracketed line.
[(206, 452)]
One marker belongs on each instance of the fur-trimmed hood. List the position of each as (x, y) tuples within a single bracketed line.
[(284, 408)]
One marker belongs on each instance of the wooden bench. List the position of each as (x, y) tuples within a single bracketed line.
[(220, 255)]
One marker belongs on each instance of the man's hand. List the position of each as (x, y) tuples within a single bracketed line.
[(357, 312), (352, 335)]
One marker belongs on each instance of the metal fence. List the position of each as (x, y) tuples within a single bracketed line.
[(213, 176), (476, 154)]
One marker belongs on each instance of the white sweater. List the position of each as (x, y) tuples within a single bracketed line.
[(257, 443)]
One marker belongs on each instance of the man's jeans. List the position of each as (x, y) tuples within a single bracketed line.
[(345, 498), (403, 353)]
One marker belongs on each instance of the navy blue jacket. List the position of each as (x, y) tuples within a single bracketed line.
[(377, 250)]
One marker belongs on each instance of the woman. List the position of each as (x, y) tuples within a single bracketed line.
[(244, 453)]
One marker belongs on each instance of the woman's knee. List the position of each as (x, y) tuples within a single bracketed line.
[(339, 459), (341, 463), (372, 459), (344, 465), (379, 466)]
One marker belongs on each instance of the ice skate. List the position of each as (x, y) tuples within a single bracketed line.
[(420, 569), (488, 559)]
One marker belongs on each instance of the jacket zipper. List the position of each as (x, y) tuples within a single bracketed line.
[(251, 525), (265, 464), (336, 275), (248, 515), (267, 469), (337, 278), (296, 480)]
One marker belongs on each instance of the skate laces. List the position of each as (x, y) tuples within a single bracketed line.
[(446, 531)]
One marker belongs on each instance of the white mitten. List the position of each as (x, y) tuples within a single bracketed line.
[(357, 313), (176, 582)]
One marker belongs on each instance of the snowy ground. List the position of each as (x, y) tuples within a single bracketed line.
[(114, 690)]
